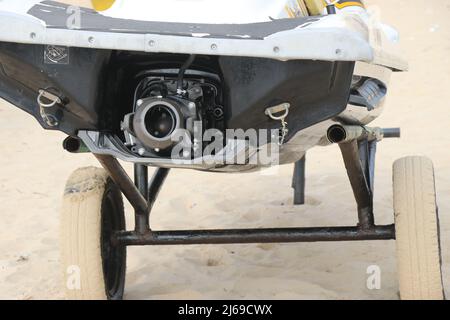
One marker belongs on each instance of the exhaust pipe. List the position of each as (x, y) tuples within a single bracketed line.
[(155, 121), (340, 134), (75, 145)]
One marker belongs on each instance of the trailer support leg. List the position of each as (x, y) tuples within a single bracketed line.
[(356, 158), (298, 181), (142, 220), (123, 181), (148, 190)]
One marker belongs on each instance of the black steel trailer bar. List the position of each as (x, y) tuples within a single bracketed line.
[(359, 159), (149, 192), (155, 185), (356, 159), (237, 236), (142, 218), (125, 184), (298, 181), (131, 192)]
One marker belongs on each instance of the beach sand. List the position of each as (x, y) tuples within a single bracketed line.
[(34, 168)]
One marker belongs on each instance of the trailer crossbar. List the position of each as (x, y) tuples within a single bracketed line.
[(242, 236)]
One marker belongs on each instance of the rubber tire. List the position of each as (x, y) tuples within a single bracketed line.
[(88, 194), (417, 230)]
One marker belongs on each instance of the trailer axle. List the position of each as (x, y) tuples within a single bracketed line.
[(241, 236)]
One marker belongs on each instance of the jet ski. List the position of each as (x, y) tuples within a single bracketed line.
[(133, 85), (218, 86)]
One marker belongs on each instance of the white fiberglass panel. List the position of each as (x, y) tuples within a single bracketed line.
[(202, 11)]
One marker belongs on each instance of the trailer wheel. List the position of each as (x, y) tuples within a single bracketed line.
[(417, 230), (94, 269)]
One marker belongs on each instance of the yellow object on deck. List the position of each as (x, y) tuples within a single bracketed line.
[(349, 3), (296, 8), (315, 7), (101, 5), (302, 7)]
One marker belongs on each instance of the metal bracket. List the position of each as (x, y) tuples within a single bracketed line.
[(50, 119), (284, 109)]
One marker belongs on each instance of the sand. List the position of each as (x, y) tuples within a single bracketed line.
[(34, 168)]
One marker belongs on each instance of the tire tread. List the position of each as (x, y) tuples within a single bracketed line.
[(418, 247)]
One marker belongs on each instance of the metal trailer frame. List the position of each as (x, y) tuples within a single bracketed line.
[(359, 159), (299, 181)]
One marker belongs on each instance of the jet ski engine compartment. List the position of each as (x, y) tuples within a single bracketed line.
[(141, 99)]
